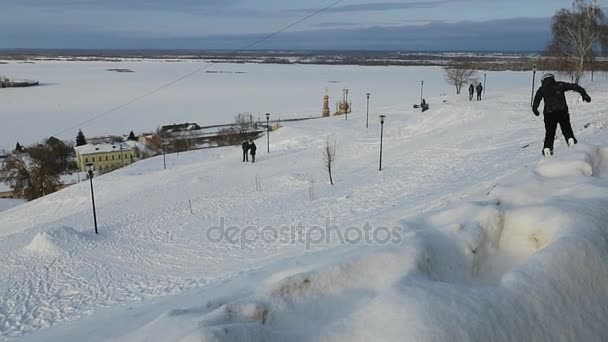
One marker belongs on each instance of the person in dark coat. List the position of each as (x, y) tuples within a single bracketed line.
[(471, 91), (556, 109), (252, 149), (479, 91), (245, 146)]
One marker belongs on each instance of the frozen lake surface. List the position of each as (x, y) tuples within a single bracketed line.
[(74, 92)]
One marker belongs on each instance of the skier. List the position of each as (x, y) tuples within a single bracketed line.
[(556, 109), (252, 149), (471, 91), (245, 146), (479, 90)]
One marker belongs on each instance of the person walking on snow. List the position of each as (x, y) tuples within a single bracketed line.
[(245, 146), (471, 91), (252, 149), (556, 109), (479, 90)]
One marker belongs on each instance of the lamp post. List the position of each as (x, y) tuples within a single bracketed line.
[(381, 137), (347, 105), (163, 146), (367, 115), (533, 82), (484, 82), (268, 132), (421, 91), (90, 172)]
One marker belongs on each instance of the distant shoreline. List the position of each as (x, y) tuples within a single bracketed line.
[(491, 60)]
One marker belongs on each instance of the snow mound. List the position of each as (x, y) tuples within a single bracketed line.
[(54, 241), (528, 262)]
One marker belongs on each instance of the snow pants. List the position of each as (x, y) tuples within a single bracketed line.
[(245, 156), (551, 122)]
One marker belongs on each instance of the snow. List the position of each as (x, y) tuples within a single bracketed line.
[(487, 241), (7, 203), (102, 148)]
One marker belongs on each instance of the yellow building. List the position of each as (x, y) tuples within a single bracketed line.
[(104, 157)]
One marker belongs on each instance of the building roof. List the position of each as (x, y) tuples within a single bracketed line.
[(181, 127), (101, 148)]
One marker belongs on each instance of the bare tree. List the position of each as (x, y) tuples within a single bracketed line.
[(33, 174), (577, 33), (243, 122), (329, 156), (458, 73)]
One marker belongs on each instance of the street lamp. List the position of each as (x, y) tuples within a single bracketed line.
[(533, 82), (484, 82), (347, 105), (367, 116), (164, 144), (268, 131), (381, 137), (90, 172), (421, 91)]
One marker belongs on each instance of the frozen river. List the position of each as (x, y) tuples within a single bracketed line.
[(73, 93)]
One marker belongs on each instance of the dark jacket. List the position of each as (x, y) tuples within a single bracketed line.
[(245, 146), (252, 148), (479, 88), (553, 93), (471, 89)]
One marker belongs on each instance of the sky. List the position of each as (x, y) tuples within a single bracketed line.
[(508, 25)]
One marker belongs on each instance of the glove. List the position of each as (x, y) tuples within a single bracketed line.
[(535, 111), (586, 98)]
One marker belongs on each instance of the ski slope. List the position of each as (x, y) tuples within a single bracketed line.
[(490, 242)]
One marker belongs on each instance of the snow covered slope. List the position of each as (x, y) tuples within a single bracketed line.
[(7, 203), (486, 244)]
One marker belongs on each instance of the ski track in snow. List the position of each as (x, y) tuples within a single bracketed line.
[(150, 244)]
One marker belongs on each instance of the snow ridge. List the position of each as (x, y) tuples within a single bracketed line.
[(526, 263)]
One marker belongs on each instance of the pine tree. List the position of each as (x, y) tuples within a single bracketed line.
[(132, 136), (18, 147), (80, 139)]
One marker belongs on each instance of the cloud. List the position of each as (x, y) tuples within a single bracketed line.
[(518, 34), (379, 6), (336, 24), (172, 5)]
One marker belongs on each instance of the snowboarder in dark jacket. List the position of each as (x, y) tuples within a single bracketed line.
[(471, 91), (556, 109), (252, 149), (245, 146), (479, 90)]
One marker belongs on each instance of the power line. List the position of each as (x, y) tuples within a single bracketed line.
[(169, 84)]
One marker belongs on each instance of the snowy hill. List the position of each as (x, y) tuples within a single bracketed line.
[(486, 242)]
